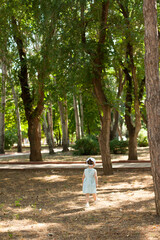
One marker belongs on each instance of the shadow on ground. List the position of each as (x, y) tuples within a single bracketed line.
[(47, 204)]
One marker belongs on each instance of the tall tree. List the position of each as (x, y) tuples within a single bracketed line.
[(64, 123), (3, 102), (18, 120), (131, 76), (39, 18), (153, 91), (32, 114), (98, 68), (48, 130), (77, 117)]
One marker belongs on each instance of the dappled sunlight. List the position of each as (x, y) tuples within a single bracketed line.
[(28, 225), (50, 204), (93, 226), (52, 178)]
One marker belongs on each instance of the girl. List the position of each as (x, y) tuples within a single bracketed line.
[(90, 180)]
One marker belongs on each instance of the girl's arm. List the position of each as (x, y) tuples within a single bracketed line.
[(83, 177), (96, 178)]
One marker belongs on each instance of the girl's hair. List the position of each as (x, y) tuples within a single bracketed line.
[(90, 162)]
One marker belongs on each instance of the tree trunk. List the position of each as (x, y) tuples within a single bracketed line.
[(47, 132), (19, 133), (34, 134), (114, 129), (2, 112), (153, 91), (77, 117), (104, 139), (82, 115), (132, 153), (50, 123), (64, 124)]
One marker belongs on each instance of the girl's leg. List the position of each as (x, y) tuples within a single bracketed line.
[(87, 197), (87, 200), (94, 196)]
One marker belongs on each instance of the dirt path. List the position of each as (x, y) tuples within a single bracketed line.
[(59, 156), (47, 204)]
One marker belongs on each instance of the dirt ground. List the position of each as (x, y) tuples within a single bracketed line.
[(49, 204)]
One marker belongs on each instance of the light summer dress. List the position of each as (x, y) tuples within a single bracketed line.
[(89, 183)]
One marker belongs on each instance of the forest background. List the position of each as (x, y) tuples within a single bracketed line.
[(71, 70)]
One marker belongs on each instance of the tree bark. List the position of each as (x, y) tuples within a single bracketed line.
[(34, 135), (2, 111), (50, 123), (77, 117), (18, 120), (64, 124), (153, 91), (47, 131), (132, 148), (82, 115), (114, 129)]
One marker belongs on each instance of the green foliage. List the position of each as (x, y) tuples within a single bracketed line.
[(10, 138), (10, 234), (117, 146), (17, 202), (86, 146), (142, 138)]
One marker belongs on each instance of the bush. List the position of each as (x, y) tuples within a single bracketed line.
[(86, 146), (142, 138), (117, 146), (143, 142), (10, 138)]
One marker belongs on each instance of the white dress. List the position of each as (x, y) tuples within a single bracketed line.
[(89, 183)]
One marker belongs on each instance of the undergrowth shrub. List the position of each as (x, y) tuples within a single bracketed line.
[(142, 138), (86, 146), (10, 138), (118, 146)]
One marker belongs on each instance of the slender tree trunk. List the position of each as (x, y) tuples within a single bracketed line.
[(50, 122), (19, 133), (114, 130), (2, 110), (132, 148), (64, 124), (47, 132), (77, 117), (153, 91), (82, 115)]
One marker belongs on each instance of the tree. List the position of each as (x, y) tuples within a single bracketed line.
[(18, 120), (64, 123), (98, 67), (48, 130), (3, 103), (153, 91), (35, 66), (128, 41), (77, 117), (32, 114)]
